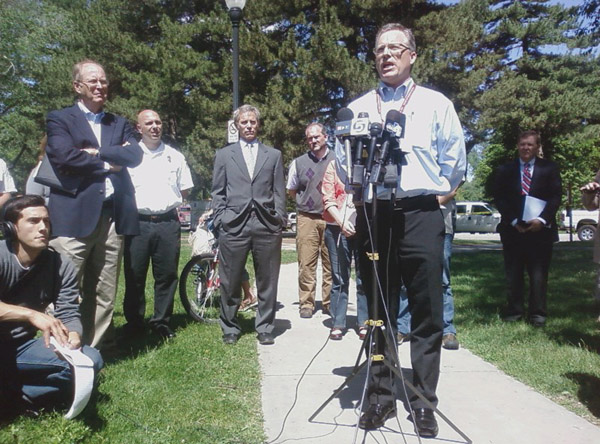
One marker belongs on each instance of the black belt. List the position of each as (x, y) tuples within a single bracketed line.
[(318, 216), (423, 202), (163, 217)]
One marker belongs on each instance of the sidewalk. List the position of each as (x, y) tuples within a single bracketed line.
[(487, 405)]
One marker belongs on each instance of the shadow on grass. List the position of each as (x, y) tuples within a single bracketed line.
[(578, 338), (587, 393), (132, 347)]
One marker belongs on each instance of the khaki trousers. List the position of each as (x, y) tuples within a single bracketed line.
[(97, 258), (310, 243)]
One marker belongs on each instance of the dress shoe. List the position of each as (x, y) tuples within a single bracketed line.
[(425, 423), (230, 338), (325, 310), (449, 341), (537, 323), (306, 313), (265, 338), (164, 331), (376, 416), (336, 334), (511, 318)]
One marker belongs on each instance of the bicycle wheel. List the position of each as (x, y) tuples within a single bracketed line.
[(199, 288)]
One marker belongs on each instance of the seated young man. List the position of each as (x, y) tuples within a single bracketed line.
[(32, 375)]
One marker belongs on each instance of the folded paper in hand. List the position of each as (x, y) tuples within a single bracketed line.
[(83, 374), (533, 208)]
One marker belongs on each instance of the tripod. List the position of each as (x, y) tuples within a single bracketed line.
[(376, 334)]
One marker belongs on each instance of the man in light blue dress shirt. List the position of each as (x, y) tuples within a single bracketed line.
[(410, 225)]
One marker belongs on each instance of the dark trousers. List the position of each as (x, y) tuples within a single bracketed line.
[(266, 255), (531, 252), (410, 244), (32, 375), (159, 241)]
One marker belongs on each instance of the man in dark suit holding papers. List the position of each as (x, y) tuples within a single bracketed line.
[(527, 193)]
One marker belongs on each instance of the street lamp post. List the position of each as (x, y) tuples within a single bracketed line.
[(235, 14)]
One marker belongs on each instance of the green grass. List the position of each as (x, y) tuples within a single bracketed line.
[(189, 390), (561, 360), (195, 390)]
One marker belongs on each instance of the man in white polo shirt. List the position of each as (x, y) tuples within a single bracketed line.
[(161, 182), (7, 185)]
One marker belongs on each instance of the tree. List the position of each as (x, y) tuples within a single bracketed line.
[(506, 66), (28, 30)]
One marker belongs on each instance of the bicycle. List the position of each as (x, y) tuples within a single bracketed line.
[(199, 286)]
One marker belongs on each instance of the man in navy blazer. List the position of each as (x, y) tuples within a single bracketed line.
[(90, 150), (527, 244), (248, 194)]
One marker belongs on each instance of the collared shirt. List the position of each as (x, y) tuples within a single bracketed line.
[(522, 170), (159, 179), (7, 184), (250, 151), (435, 159), (95, 121), (522, 167), (292, 183)]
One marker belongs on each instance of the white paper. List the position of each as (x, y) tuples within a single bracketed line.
[(533, 208), (348, 211), (83, 374)]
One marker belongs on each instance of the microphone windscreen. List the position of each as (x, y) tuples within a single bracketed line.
[(375, 129), (394, 116), (344, 114), (395, 122)]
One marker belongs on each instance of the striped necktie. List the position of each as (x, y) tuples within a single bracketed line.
[(526, 182)]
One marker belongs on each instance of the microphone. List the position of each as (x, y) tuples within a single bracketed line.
[(395, 122), (393, 129), (360, 127), (374, 130), (343, 129), (360, 130)]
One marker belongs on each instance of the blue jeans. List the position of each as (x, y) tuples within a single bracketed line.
[(340, 256), (403, 310), (33, 375)]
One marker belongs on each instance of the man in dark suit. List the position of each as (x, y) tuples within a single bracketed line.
[(248, 194), (89, 150), (527, 232)]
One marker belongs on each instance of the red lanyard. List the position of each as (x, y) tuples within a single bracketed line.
[(401, 109)]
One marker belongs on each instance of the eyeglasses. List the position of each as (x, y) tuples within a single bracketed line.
[(93, 83), (395, 49)]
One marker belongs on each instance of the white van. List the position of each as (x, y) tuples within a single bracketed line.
[(476, 217)]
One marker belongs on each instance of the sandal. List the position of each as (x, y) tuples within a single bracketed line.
[(336, 334), (362, 333), (247, 304)]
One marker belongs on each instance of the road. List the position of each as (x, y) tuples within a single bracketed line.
[(289, 240)]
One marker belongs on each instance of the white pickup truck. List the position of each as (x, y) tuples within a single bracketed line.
[(584, 222)]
